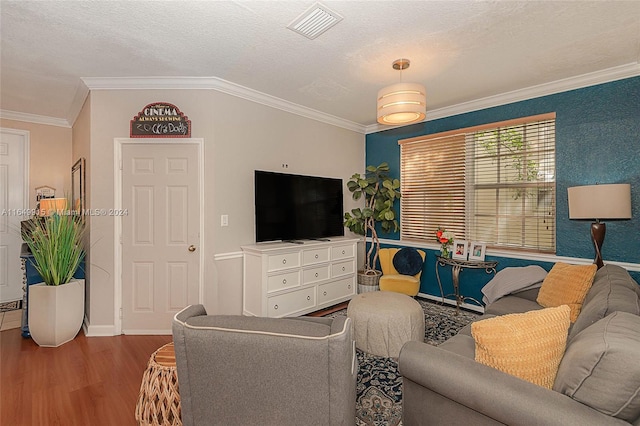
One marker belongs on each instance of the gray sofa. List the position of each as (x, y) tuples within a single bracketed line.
[(598, 381), (238, 370)]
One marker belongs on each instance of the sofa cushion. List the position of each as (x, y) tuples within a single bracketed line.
[(408, 261), (512, 279), (529, 345), (512, 304), (601, 367), (529, 294), (460, 344), (567, 285), (466, 330), (613, 290)]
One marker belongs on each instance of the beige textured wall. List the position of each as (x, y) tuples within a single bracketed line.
[(81, 147), (49, 157), (239, 137)]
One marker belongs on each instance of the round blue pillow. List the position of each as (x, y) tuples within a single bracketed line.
[(408, 261)]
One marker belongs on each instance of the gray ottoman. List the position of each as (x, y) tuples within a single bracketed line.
[(383, 321)]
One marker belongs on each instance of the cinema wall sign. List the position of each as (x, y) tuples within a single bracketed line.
[(160, 120)]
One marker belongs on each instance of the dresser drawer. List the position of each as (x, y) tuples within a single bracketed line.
[(277, 262), (282, 281), (336, 290), (292, 302), (343, 252), (343, 268), (315, 274), (311, 256)]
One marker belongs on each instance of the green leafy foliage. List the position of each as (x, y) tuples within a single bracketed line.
[(56, 244), (510, 144), (380, 192)]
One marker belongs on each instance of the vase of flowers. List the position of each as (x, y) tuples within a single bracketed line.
[(445, 238)]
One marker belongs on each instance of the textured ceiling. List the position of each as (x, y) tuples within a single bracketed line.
[(461, 51)]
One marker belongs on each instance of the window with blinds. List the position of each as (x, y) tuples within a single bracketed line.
[(492, 183)]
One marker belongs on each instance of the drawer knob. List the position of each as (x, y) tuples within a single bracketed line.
[(284, 261), (349, 286), (308, 297), (324, 293), (284, 281), (344, 269), (316, 256), (343, 252), (316, 275), (275, 307)]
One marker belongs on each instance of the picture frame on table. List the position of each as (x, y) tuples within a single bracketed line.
[(460, 249), (477, 251)]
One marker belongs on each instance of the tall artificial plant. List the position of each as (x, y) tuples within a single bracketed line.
[(56, 243), (380, 192)]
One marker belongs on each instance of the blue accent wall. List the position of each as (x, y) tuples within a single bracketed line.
[(597, 141)]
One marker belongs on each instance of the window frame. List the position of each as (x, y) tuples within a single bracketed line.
[(471, 187)]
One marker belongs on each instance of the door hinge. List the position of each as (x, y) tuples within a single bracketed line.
[(120, 313)]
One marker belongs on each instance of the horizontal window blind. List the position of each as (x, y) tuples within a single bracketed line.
[(492, 184), (432, 175), (512, 182)]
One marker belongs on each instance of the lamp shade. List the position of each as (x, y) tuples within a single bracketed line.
[(402, 103), (600, 201), (49, 206)]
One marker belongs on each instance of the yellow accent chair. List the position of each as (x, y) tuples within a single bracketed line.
[(392, 280)]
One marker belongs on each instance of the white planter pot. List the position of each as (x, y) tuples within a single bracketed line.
[(56, 313)]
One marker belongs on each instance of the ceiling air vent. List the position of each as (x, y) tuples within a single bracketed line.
[(314, 21)]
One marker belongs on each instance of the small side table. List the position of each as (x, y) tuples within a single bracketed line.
[(456, 266), (159, 399)]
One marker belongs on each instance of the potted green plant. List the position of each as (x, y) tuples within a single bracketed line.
[(380, 192), (56, 306)]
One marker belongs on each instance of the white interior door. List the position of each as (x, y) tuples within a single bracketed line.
[(13, 209), (160, 234)]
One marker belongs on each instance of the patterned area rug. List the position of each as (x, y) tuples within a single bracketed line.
[(379, 386), (10, 306)]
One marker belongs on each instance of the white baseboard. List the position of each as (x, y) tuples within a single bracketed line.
[(147, 332), (450, 302), (97, 330)]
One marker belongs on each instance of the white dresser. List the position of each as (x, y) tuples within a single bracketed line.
[(287, 279)]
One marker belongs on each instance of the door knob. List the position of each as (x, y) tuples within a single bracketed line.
[(192, 248)]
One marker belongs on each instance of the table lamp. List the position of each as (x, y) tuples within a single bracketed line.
[(596, 202), (49, 206)]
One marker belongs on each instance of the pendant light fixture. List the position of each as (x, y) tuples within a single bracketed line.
[(402, 103)]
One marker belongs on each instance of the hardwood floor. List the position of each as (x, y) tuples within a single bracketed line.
[(88, 381), (329, 310)]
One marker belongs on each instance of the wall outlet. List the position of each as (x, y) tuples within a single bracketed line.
[(224, 220)]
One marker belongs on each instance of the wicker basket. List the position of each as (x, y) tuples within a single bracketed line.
[(368, 281), (159, 400)]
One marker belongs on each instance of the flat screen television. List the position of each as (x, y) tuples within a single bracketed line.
[(294, 207)]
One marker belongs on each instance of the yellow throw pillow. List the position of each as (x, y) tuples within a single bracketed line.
[(529, 345), (567, 285)]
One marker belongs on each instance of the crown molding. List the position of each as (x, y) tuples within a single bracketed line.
[(81, 94), (33, 118), (564, 85), (224, 86), (213, 83)]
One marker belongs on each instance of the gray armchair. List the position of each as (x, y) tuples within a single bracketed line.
[(239, 370)]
